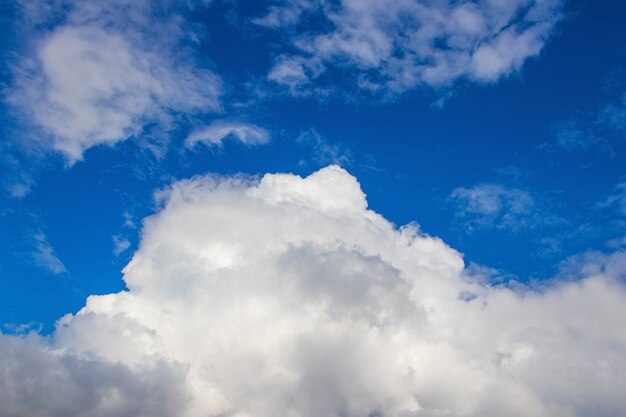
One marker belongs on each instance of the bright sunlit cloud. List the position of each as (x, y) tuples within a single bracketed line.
[(287, 295), (184, 229)]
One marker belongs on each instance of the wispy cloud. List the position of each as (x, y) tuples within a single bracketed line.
[(494, 206), (389, 47), (44, 255), (613, 114), (120, 245), (17, 176), (218, 131), (129, 220), (572, 135), (595, 129), (616, 200), (322, 150)]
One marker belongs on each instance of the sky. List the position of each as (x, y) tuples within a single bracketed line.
[(305, 208)]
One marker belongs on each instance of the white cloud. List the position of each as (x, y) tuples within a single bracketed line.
[(294, 72), (106, 72), (129, 220), (220, 130), (393, 46), (287, 296), (285, 15), (120, 245), (495, 206), (44, 255)]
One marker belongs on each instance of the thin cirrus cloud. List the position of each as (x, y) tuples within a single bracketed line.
[(220, 130), (390, 47), (120, 245), (616, 200), (613, 114), (44, 255), (598, 129), (288, 296), (488, 206), (106, 71), (323, 152)]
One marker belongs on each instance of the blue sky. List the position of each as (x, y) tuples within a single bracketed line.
[(539, 133), (499, 127)]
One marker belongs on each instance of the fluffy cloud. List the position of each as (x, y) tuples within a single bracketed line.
[(215, 134), (389, 47), (288, 296), (106, 70)]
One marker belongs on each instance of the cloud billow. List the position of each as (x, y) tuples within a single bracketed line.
[(288, 296), (104, 71)]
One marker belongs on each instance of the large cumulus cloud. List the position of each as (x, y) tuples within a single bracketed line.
[(287, 296)]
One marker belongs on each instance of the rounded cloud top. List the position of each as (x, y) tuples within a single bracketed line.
[(330, 189), (288, 296)]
